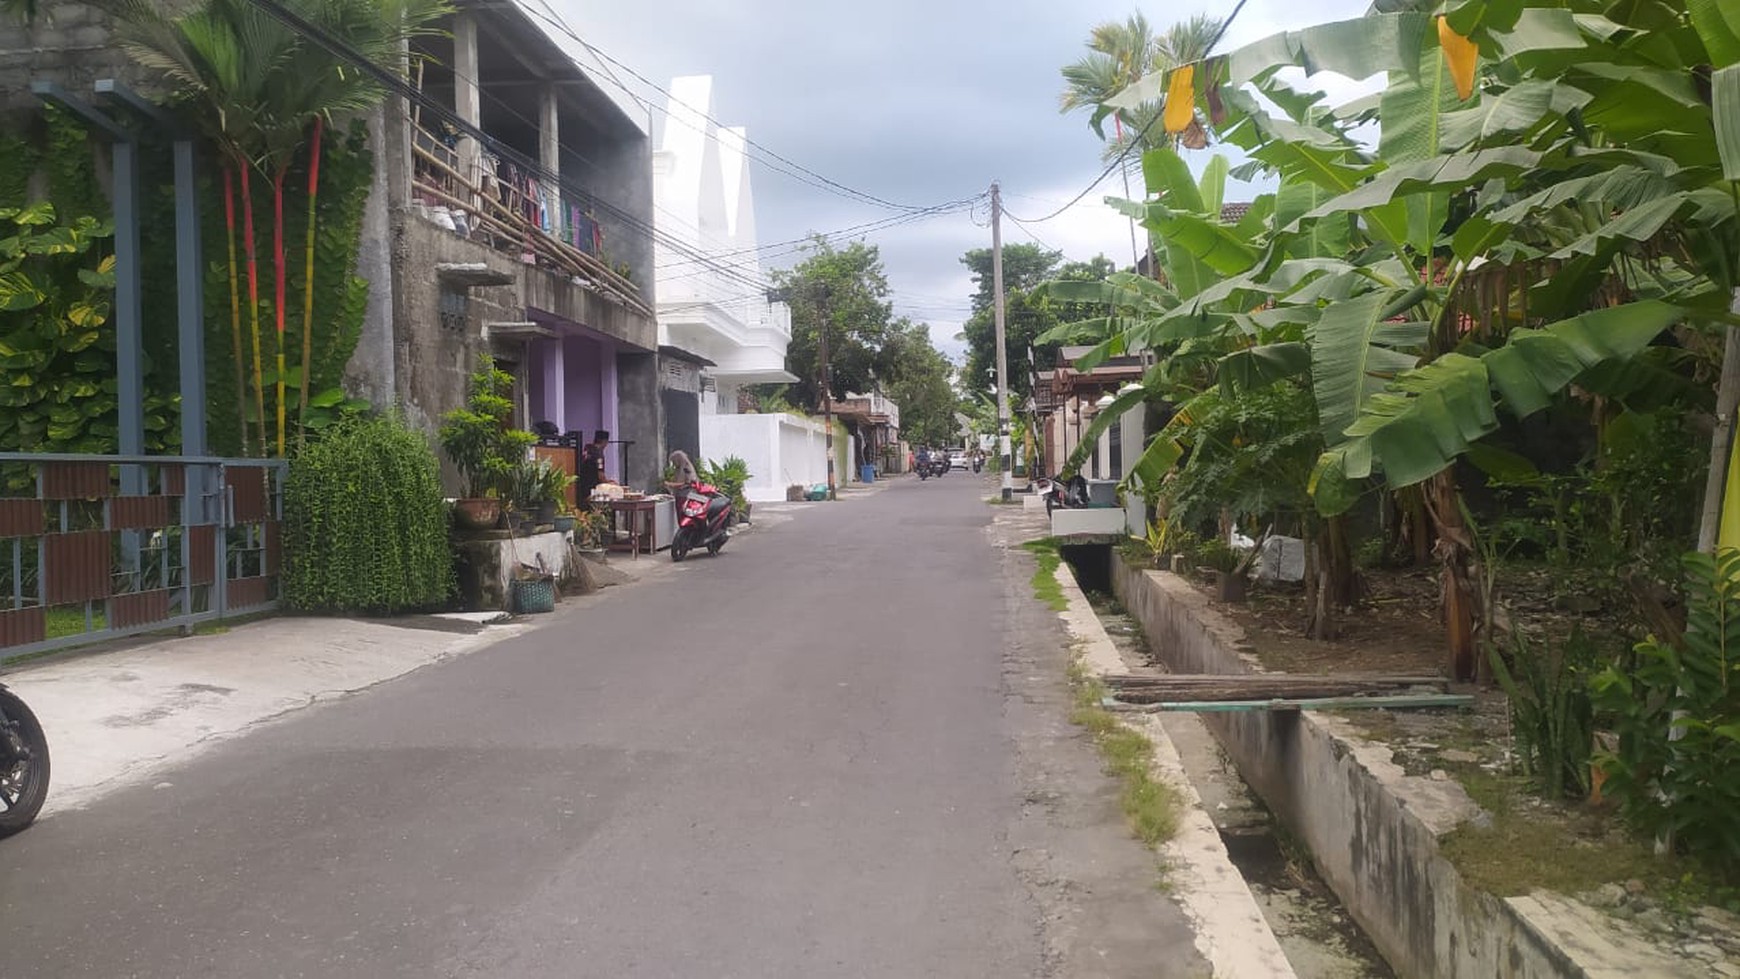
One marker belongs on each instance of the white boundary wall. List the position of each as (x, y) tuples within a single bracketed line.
[(780, 450)]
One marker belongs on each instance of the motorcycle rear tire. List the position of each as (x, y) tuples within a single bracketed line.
[(34, 789), (717, 546)]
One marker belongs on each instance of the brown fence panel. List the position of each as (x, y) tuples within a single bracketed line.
[(249, 489), (248, 592), (23, 625), (75, 480), (202, 559), (77, 566), (139, 512), (139, 608), (22, 518)]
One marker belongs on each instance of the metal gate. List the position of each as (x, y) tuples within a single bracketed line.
[(97, 547)]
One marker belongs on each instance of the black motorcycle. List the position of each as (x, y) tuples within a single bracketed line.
[(23, 764)]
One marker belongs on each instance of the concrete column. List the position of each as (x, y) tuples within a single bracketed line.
[(465, 94), (549, 130), (555, 406)]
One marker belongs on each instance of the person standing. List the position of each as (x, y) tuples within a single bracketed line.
[(591, 469)]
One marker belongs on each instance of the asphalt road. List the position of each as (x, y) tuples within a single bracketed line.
[(838, 749)]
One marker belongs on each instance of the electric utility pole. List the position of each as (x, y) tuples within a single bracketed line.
[(1002, 351), (827, 389)]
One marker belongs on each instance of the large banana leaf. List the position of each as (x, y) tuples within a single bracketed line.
[(1329, 237), (1260, 366), (1440, 174), (1354, 355), (1204, 239), (1355, 48), (1431, 415), (1523, 109), (1725, 96), (1718, 25)]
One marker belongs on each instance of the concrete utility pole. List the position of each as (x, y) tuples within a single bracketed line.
[(827, 392), (1002, 351)]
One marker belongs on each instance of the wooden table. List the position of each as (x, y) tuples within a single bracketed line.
[(640, 524)]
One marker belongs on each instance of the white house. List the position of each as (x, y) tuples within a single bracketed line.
[(718, 332)]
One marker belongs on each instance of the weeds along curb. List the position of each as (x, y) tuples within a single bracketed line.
[(1163, 808)]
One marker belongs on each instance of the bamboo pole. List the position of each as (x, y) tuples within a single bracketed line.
[(519, 228)]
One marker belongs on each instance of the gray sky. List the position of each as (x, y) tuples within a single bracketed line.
[(915, 102)]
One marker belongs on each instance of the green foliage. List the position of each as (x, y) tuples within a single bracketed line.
[(57, 350), (1251, 455), (1550, 709), (730, 476), (1676, 710), (365, 525), (1027, 315), (917, 380), (592, 528), (480, 438)]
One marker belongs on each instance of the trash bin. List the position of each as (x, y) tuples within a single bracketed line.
[(866, 473)]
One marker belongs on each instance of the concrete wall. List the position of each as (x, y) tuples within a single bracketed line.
[(68, 43), (624, 178), (1372, 829), (780, 450), (639, 417), (370, 373), (485, 567)]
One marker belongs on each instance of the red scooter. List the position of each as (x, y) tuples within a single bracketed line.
[(703, 520)]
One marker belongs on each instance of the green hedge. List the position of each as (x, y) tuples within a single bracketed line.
[(365, 524)]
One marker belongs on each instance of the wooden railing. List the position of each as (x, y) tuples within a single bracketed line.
[(495, 217)]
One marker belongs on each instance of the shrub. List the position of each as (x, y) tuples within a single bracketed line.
[(365, 526), (1548, 688), (1676, 770)]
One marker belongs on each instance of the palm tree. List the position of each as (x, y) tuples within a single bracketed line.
[(1122, 54), (261, 90)]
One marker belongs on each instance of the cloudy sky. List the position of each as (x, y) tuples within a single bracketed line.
[(917, 102)]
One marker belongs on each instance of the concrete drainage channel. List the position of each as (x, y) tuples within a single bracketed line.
[(1256, 905), (1314, 931)]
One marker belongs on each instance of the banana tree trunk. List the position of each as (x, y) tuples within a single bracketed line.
[(1332, 578), (278, 289), (1459, 598), (254, 302), (235, 304), (308, 287), (1719, 483)]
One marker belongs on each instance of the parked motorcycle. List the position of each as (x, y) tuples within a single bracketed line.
[(1060, 494), (23, 764), (703, 520)]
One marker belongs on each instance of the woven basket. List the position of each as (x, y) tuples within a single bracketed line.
[(533, 595)]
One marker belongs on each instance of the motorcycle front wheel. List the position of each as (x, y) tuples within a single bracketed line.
[(679, 546), (23, 779)]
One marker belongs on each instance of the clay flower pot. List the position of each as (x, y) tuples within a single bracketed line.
[(478, 513)]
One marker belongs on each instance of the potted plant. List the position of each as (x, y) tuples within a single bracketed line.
[(730, 476), (482, 443), (547, 490), (592, 531)]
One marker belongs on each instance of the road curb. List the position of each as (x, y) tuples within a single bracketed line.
[(1229, 928)]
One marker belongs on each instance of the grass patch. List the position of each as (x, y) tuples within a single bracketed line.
[(1045, 586), (1526, 848), (1151, 806)]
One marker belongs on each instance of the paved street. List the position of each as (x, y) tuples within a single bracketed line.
[(839, 749)]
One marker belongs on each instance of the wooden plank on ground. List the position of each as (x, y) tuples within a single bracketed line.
[(1405, 701), (1264, 686)]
